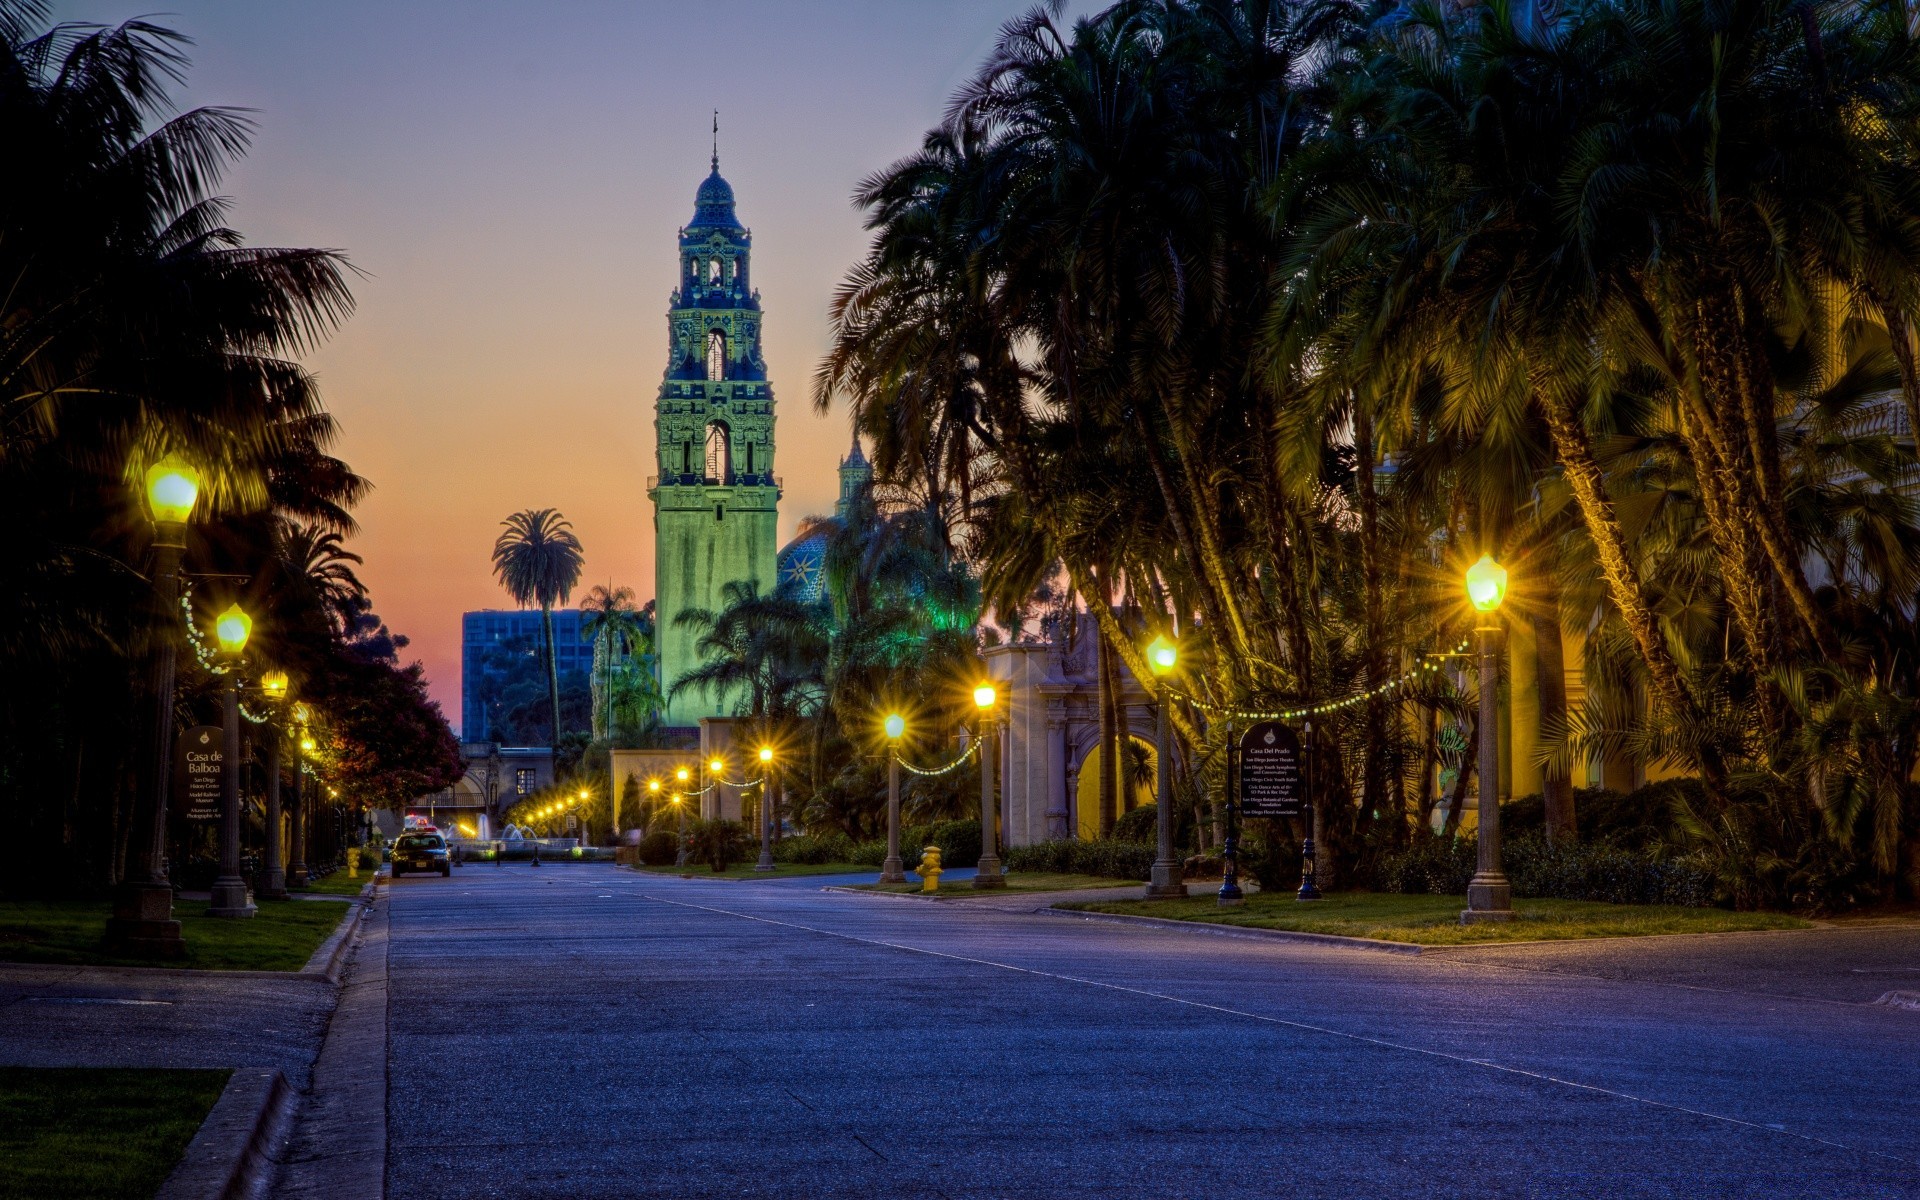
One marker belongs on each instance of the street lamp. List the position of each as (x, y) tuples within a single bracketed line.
[(273, 685), (1166, 881), (142, 922), (583, 816), (297, 873), (1489, 895), (230, 896), (680, 853), (766, 810), (893, 871), (988, 876)]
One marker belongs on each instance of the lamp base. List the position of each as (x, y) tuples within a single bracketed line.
[(142, 924), (231, 898), (1489, 898), (1165, 882), (893, 871), (988, 875), (274, 885)]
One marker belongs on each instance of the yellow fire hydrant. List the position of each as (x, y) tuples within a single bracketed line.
[(929, 869)]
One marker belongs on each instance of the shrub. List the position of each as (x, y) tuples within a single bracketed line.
[(959, 842), (1111, 858), (811, 851), (719, 842), (659, 848), (1141, 825), (868, 854), (1539, 869)]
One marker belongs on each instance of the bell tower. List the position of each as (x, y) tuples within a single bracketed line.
[(716, 500)]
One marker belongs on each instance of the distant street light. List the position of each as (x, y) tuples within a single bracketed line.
[(766, 810), (142, 923), (230, 895), (893, 870), (1489, 895), (1167, 879), (988, 875), (297, 873)]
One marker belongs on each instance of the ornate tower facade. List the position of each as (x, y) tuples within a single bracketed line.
[(716, 500)]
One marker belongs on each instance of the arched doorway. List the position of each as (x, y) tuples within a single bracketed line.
[(1139, 767)]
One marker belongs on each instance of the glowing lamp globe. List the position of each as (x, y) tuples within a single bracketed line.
[(715, 765), (1486, 584), (172, 487), (653, 785), (583, 793), (681, 774), (984, 696), (1162, 654), (232, 628), (895, 725), (766, 754), (307, 745), (274, 684)]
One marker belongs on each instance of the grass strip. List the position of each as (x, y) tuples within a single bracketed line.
[(1435, 920), (281, 937), (97, 1133), (338, 884)]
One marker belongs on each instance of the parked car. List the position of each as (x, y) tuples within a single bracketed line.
[(421, 852)]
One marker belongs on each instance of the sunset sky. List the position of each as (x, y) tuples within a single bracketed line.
[(511, 178)]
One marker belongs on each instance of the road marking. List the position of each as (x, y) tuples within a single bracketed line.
[(1383, 1043), (92, 1000)]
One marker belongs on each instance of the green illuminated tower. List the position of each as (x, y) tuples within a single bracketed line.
[(715, 502)]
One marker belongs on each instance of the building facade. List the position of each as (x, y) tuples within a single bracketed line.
[(715, 500), (486, 634), (803, 561)]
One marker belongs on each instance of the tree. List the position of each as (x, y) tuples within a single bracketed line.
[(538, 560)]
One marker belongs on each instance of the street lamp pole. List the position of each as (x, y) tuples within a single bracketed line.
[(893, 870), (297, 874), (1489, 895), (273, 883), (988, 875), (142, 922), (766, 810), (1166, 881), (230, 895)]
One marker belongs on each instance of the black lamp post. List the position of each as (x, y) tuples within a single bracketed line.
[(273, 882), (893, 870), (1230, 893), (1489, 896), (298, 876), (142, 922), (766, 810), (230, 895)]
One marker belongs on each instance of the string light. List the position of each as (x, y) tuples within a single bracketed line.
[(955, 765), (1328, 706)]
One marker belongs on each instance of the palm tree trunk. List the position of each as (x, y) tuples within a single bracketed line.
[(1551, 690), (1900, 334), (553, 677), (1109, 745), (1373, 776)]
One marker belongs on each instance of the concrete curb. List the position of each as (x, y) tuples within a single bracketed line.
[(1901, 1000), (329, 958), (1241, 931), (232, 1157), (916, 897)]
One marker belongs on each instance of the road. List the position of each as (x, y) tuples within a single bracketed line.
[(586, 1031)]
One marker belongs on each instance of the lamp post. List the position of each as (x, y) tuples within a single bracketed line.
[(680, 847), (766, 810), (142, 922), (297, 874), (988, 876), (893, 871), (273, 884), (1489, 896), (230, 895), (1165, 883)]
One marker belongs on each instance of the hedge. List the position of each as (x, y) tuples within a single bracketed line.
[(1542, 870), (1113, 859)]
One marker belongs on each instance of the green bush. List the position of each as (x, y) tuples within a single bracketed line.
[(959, 842), (868, 854), (811, 851), (659, 848), (719, 843), (1111, 858), (1539, 869), (1141, 825)]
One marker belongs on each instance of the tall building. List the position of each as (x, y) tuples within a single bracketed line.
[(715, 501), (485, 635)]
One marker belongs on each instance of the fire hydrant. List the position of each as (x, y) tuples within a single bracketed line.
[(929, 869)]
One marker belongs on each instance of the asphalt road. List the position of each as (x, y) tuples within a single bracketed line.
[(585, 1031)]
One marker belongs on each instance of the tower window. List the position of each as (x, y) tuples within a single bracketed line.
[(719, 453), (716, 355), (713, 270), (719, 511)]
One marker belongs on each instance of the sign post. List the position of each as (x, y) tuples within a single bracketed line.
[(201, 766), (1275, 782)]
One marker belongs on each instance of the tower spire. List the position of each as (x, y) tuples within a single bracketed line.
[(716, 140)]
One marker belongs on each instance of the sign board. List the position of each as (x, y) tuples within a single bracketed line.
[(201, 770), (1271, 784)]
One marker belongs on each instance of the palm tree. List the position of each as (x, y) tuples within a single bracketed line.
[(538, 560), (618, 632)]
